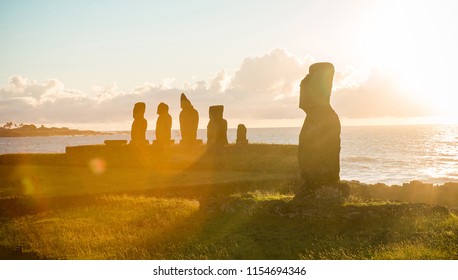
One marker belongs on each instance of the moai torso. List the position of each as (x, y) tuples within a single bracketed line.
[(139, 125), (163, 124), (189, 121), (217, 127), (241, 135)]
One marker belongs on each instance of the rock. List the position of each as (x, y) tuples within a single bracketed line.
[(331, 193), (217, 127), (139, 125), (319, 210), (319, 140), (115, 142)]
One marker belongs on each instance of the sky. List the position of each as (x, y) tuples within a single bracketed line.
[(84, 64)]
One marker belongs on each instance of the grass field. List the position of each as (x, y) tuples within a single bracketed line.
[(58, 208)]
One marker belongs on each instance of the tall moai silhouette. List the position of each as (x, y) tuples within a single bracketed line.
[(139, 125), (319, 140), (163, 125), (217, 127), (241, 135), (189, 121)]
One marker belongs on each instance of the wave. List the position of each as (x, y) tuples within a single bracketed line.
[(359, 159)]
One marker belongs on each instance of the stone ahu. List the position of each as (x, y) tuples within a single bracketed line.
[(189, 121), (217, 127), (319, 140), (139, 125), (163, 126)]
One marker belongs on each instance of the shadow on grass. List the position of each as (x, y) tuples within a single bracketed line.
[(17, 254), (247, 229)]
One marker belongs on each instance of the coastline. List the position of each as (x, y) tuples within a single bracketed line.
[(30, 130), (370, 155), (70, 132), (278, 162)]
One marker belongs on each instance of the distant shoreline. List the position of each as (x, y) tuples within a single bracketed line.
[(71, 133), (30, 130)]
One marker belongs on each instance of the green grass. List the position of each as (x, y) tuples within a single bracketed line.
[(113, 227), (142, 227), (264, 195), (58, 209), (139, 227)]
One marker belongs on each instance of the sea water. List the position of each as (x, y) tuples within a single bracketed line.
[(373, 154)]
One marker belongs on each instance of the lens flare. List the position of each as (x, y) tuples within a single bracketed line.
[(28, 186), (97, 166)]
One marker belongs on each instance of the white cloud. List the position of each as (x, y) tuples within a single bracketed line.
[(220, 82), (263, 88), (34, 93), (167, 83), (274, 73), (145, 88), (106, 93), (379, 96)]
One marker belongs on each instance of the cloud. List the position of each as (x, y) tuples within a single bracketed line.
[(220, 82), (274, 73), (379, 96), (105, 93), (34, 93), (263, 88)]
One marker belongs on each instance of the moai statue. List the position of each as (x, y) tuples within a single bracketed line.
[(138, 131), (319, 140), (217, 127), (163, 126), (241, 135), (189, 121)]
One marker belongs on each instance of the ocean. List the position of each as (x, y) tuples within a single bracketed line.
[(372, 154)]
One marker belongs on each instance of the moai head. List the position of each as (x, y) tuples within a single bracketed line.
[(241, 131), (184, 102), (162, 109), (139, 110), (316, 86), (216, 112)]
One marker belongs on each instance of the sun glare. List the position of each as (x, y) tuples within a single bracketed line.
[(404, 39)]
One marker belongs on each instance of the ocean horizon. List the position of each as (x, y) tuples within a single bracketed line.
[(369, 154)]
